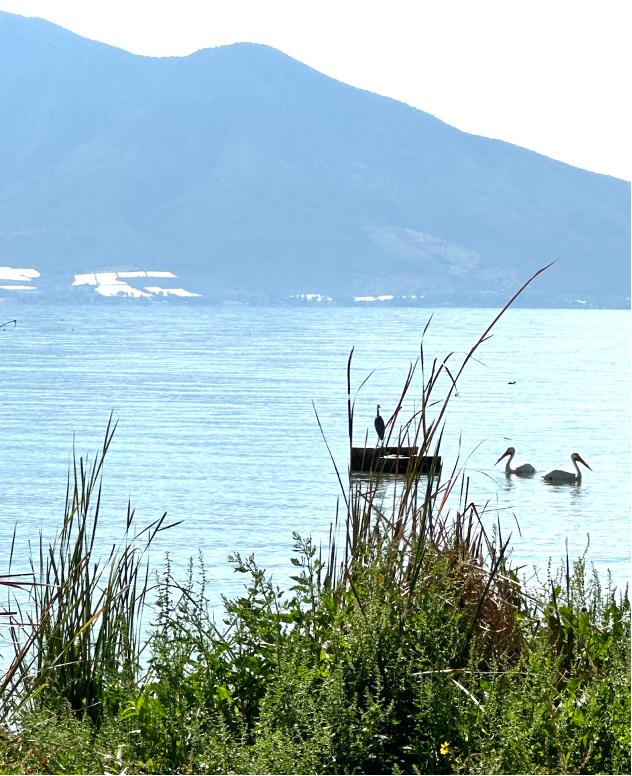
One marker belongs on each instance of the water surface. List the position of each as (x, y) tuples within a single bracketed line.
[(216, 424)]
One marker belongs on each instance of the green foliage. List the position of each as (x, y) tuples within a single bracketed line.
[(455, 668), (292, 684)]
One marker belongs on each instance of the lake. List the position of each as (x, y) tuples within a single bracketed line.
[(216, 424)]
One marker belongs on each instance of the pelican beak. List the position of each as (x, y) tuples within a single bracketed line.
[(581, 460), (504, 455)]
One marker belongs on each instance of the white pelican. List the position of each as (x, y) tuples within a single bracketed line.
[(563, 475), (521, 469)]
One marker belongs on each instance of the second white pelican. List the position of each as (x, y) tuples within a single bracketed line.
[(563, 475), (521, 469)]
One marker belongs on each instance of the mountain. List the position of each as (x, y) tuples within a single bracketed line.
[(251, 176)]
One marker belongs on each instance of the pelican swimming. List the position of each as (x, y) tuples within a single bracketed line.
[(521, 469), (379, 424), (563, 475)]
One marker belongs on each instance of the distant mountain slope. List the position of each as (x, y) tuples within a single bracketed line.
[(253, 176)]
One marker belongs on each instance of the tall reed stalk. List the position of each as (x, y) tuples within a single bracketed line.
[(415, 530)]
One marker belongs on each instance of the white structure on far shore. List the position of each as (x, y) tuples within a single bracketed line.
[(19, 275), (110, 284)]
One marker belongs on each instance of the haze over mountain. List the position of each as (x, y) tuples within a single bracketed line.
[(254, 177)]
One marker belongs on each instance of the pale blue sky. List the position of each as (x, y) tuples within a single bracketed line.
[(548, 75)]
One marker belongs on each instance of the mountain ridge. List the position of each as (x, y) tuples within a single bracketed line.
[(253, 176)]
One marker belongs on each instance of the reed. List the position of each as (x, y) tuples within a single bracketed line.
[(81, 630), (415, 530)]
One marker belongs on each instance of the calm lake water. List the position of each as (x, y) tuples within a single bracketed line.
[(216, 424)]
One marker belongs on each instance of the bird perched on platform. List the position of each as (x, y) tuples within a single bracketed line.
[(379, 424), (563, 475), (521, 469)]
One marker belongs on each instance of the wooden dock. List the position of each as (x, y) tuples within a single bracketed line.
[(392, 460)]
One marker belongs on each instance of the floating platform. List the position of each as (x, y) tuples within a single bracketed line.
[(393, 460)]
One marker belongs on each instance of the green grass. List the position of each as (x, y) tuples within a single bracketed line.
[(408, 646)]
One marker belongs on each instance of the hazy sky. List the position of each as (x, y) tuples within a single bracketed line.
[(548, 75)]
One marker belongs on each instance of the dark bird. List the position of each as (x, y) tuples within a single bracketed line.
[(379, 424), (514, 382)]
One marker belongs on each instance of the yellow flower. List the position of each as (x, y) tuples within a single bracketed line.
[(444, 747)]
